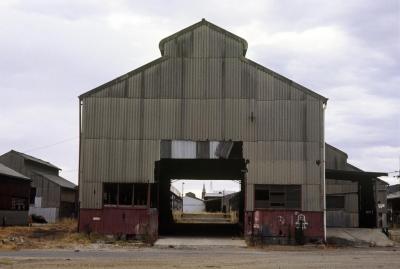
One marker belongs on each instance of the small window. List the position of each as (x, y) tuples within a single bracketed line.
[(18, 203), (128, 194), (32, 196), (140, 195), (110, 193), (277, 199), (277, 196), (262, 195), (125, 194), (335, 202)]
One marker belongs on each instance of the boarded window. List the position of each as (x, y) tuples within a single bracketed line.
[(277, 199), (19, 203), (262, 197), (140, 197), (125, 194), (277, 196), (335, 201), (110, 193)]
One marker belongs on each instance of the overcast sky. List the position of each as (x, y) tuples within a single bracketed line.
[(52, 51)]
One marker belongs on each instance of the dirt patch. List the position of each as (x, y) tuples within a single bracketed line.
[(61, 235)]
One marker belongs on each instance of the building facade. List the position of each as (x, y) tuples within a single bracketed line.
[(14, 197), (354, 198), (52, 196), (193, 205), (203, 96)]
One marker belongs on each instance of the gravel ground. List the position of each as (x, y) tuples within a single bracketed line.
[(204, 257)]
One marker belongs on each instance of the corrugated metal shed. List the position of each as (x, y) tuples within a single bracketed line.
[(202, 89), (58, 180), (6, 171), (34, 159)]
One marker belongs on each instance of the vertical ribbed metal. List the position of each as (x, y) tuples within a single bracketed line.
[(203, 89)]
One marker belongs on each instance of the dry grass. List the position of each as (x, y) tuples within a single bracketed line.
[(61, 235), (58, 235)]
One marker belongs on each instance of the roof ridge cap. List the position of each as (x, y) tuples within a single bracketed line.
[(200, 23)]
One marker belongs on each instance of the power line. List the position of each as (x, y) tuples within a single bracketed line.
[(52, 145)]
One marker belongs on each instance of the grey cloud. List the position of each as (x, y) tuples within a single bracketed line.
[(52, 51)]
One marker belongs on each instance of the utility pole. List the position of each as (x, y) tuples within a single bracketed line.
[(183, 183)]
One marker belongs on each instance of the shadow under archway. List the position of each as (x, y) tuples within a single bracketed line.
[(197, 169)]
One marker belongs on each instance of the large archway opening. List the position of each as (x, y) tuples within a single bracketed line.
[(168, 170)]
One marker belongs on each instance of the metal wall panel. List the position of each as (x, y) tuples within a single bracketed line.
[(282, 162), (335, 159), (351, 203), (203, 42), (341, 186), (340, 218), (90, 194), (348, 217), (115, 90), (120, 160), (183, 149), (311, 197), (249, 197)]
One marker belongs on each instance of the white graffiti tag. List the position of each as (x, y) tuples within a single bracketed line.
[(301, 222), (281, 220)]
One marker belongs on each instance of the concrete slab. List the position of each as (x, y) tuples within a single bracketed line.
[(358, 237), (183, 241)]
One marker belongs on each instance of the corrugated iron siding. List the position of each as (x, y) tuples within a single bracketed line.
[(335, 159), (349, 216), (203, 42), (380, 198), (202, 89)]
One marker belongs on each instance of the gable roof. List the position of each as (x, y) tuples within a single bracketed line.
[(208, 24), (336, 149), (7, 171), (393, 188), (287, 80), (194, 198), (122, 77), (58, 180), (219, 29), (34, 159)]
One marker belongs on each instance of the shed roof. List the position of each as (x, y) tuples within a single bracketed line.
[(7, 171), (218, 193), (393, 188), (193, 198), (214, 27), (34, 159), (336, 149), (394, 195), (208, 24), (58, 180), (352, 175)]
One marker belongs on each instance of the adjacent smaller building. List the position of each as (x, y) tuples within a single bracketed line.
[(192, 204), (14, 197), (176, 200), (393, 201), (51, 196), (354, 198), (221, 201)]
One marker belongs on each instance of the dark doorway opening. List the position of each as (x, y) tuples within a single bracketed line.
[(366, 193), (367, 212), (197, 169)]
